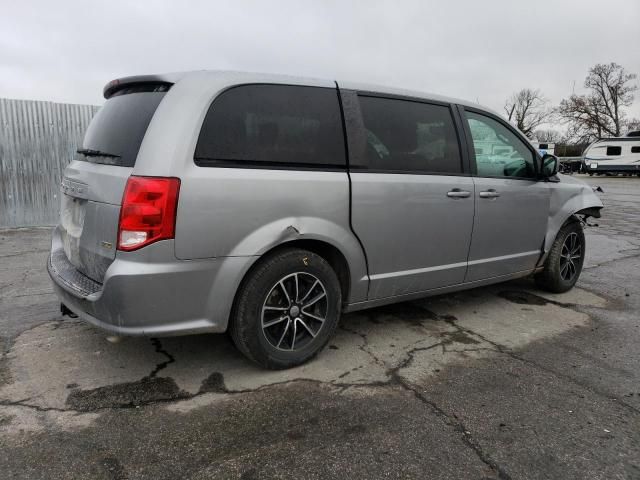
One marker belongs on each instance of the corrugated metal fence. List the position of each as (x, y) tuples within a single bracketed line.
[(37, 141)]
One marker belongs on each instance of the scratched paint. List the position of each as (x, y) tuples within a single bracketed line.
[(37, 141)]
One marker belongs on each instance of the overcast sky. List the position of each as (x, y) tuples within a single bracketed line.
[(478, 50)]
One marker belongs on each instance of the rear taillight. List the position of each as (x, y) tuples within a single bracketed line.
[(148, 211)]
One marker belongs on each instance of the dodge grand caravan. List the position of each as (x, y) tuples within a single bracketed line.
[(269, 205)]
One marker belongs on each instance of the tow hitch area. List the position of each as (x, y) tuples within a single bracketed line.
[(65, 311)]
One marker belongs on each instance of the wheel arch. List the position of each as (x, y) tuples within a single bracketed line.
[(556, 223), (569, 198), (329, 252), (551, 277), (336, 259)]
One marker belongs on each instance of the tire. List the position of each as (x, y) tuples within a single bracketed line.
[(258, 327), (563, 265)]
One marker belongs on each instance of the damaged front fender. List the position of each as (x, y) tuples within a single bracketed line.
[(569, 196)]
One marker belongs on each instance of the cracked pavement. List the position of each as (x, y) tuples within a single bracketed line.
[(497, 382)]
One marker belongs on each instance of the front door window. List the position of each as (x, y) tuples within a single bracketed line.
[(498, 151)]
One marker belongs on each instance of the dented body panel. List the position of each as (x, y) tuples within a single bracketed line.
[(568, 196), (234, 212), (89, 211)]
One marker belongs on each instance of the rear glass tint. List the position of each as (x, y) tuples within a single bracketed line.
[(273, 126), (115, 134), (407, 136)]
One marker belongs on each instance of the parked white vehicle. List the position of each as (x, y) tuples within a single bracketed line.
[(545, 147), (613, 155)]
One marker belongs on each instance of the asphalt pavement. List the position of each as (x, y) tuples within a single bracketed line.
[(498, 382)]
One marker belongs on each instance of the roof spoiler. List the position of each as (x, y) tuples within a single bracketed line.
[(120, 83)]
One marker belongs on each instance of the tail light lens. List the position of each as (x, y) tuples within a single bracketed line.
[(148, 211)]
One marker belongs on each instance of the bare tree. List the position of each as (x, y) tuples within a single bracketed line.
[(600, 112), (527, 109), (633, 125), (548, 135)]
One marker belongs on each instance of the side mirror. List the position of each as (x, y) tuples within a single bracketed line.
[(550, 164)]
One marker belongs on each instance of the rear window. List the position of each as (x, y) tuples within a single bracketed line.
[(614, 150), (273, 126), (115, 134)]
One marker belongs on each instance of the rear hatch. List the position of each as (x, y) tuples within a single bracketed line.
[(95, 180)]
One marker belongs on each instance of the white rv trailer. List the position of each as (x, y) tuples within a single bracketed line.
[(613, 155)]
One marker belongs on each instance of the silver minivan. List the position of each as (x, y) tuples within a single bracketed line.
[(268, 205)]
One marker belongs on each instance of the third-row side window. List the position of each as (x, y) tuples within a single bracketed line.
[(408, 136), (274, 125)]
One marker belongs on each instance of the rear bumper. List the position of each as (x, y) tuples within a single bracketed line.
[(606, 167), (150, 292)]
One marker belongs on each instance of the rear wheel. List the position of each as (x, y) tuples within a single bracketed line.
[(287, 309), (564, 262)]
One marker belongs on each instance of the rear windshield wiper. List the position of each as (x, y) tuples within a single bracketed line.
[(96, 153)]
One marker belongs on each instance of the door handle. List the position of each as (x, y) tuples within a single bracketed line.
[(491, 193), (457, 193)]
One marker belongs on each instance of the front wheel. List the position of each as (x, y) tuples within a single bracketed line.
[(566, 257), (287, 309)]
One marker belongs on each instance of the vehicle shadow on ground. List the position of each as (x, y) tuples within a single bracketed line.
[(68, 364)]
